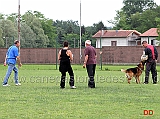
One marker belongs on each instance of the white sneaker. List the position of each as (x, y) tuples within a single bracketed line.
[(155, 83), (73, 87), (6, 84), (18, 84)]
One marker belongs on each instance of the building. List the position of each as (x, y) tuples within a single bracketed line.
[(117, 38), (150, 36)]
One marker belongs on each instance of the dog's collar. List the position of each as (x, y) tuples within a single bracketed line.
[(140, 68)]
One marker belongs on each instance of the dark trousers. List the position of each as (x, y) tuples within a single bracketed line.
[(91, 72), (63, 77), (151, 66)]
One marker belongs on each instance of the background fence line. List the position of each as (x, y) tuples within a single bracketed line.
[(110, 55)]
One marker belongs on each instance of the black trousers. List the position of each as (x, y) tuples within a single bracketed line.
[(63, 77), (91, 72), (151, 66)]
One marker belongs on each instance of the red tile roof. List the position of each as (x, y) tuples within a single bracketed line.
[(150, 32), (114, 33)]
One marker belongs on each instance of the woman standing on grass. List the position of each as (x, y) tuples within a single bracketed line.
[(65, 56)]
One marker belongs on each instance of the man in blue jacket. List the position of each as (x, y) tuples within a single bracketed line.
[(12, 56)]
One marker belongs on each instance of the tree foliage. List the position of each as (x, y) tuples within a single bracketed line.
[(1, 39), (50, 31), (40, 32), (133, 6), (8, 32), (33, 20), (158, 27), (137, 15)]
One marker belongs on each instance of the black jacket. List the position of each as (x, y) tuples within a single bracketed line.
[(148, 52)]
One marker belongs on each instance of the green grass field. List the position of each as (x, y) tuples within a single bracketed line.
[(40, 96)]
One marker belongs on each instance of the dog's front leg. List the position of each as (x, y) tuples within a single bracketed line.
[(129, 79), (137, 80)]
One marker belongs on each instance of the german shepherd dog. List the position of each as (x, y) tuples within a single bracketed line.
[(134, 72)]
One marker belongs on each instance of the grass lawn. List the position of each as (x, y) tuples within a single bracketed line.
[(40, 97)]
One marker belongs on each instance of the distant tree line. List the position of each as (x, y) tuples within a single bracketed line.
[(140, 15), (40, 32)]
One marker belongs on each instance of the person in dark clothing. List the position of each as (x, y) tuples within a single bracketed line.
[(90, 62), (152, 54), (65, 56)]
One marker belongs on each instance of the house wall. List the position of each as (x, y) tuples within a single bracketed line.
[(107, 42), (131, 39), (148, 39), (125, 41), (132, 36), (131, 43)]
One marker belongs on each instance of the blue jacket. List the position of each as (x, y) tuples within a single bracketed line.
[(11, 54)]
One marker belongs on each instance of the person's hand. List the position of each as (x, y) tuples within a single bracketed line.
[(84, 65), (19, 65), (156, 61), (4, 64)]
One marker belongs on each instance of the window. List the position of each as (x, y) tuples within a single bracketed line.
[(113, 43), (152, 42)]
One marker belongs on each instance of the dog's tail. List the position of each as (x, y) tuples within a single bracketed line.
[(123, 70)]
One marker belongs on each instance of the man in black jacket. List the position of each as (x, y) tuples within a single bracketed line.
[(152, 54)]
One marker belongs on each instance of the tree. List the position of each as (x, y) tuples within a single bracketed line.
[(48, 28), (68, 26), (1, 16), (50, 31), (146, 20), (60, 37), (120, 21), (73, 40), (38, 31), (83, 31), (99, 26), (13, 17), (158, 27), (38, 15), (34, 22), (133, 6), (28, 36), (1, 40), (69, 30), (9, 32), (138, 15), (90, 30)]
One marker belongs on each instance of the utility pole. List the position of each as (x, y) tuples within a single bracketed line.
[(19, 31), (80, 36), (101, 48)]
